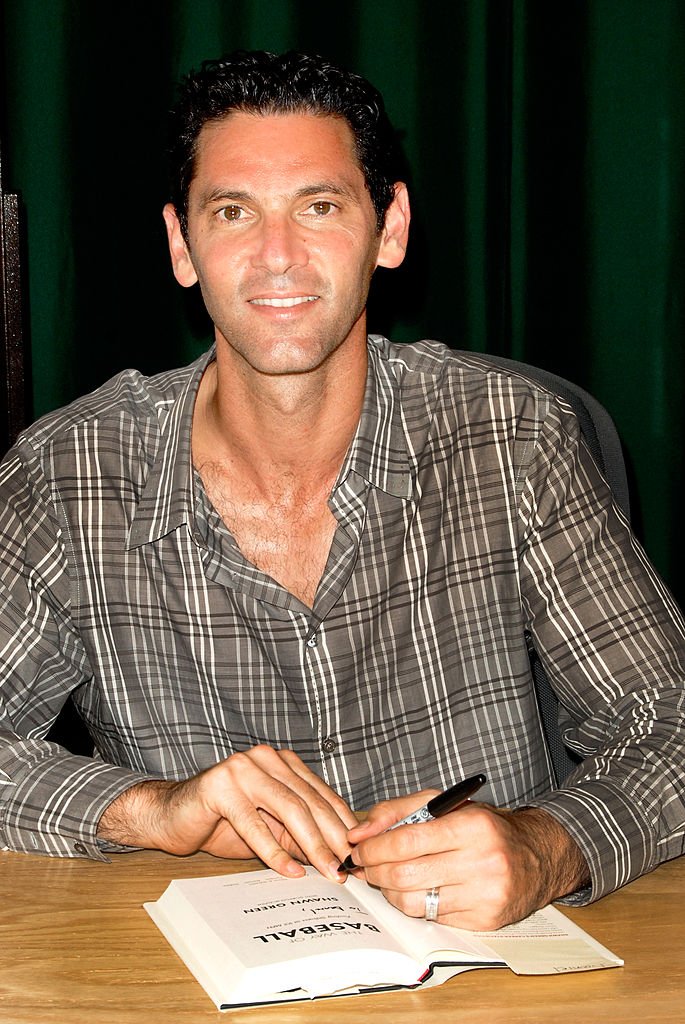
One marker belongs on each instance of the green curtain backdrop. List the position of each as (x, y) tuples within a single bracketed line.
[(545, 146)]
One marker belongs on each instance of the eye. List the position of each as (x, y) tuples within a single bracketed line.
[(230, 212), (321, 208)]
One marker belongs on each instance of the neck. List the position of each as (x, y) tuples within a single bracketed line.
[(279, 434)]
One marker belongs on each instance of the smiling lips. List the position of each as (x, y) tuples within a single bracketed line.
[(283, 303)]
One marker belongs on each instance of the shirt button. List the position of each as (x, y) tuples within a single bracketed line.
[(80, 848), (313, 640), (328, 746)]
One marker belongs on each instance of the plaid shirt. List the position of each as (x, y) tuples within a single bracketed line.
[(467, 512)]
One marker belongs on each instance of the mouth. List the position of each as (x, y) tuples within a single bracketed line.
[(286, 302)]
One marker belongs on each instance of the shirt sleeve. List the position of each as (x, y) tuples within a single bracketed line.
[(50, 800), (613, 644)]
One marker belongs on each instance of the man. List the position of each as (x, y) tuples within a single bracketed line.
[(294, 578)]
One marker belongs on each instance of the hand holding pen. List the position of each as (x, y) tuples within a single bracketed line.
[(481, 868), (450, 800)]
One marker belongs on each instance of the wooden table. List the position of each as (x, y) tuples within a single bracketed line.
[(76, 946)]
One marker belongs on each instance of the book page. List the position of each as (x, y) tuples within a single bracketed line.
[(254, 936), (547, 942), (267, 918)]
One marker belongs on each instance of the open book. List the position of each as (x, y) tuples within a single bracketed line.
[(255, 937)]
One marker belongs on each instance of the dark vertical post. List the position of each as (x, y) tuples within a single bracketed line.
[(12, 361)]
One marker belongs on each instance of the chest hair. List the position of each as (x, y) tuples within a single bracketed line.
[(288, 537)]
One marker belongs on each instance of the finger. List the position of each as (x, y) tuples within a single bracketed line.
[(224, 841), (283, 837), (457, 906), (420, 856), (302, 834), (386, 814), (407, 845), (252, 826), (240, 786), (415, 874), (381, 817), (335, 801), (286, 767)]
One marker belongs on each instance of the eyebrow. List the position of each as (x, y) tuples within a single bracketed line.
[(325, 186), (316, 188)]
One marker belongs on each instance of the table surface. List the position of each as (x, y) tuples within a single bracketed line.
[(76, 945)]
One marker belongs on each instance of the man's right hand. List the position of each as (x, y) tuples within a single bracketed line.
[(262, 803)]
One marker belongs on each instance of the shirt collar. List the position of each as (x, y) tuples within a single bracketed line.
[(167, 499), (379, 452)]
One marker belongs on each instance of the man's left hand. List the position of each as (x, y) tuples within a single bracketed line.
[(492, 867)]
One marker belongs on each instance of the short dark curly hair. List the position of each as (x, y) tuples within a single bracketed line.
[(256, 81)]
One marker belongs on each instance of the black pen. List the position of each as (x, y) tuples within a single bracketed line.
[(445, 802)]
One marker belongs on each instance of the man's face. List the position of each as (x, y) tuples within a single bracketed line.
[(281, 237)]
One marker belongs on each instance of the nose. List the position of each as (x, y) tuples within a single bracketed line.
[(280, 246)]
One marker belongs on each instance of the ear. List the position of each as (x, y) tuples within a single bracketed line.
[(395, 229), (183, 268)]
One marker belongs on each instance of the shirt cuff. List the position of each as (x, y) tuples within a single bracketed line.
[(612, 834), (53, 805)]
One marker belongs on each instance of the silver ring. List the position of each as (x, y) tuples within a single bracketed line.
[(432, 903)]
